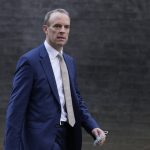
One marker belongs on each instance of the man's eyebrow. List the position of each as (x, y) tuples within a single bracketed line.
[(60, 25), (57, 24)]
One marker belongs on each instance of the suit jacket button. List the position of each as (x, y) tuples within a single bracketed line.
[(57, 125)]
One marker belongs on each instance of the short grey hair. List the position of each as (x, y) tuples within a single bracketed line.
[(48, 14)]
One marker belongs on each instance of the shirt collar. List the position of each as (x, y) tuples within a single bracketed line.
[(52, 52)]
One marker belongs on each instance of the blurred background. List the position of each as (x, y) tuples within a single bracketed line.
[(110, 40)]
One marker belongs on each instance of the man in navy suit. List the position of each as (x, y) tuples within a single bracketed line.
[(37, 115)]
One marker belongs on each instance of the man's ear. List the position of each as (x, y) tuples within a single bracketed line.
[(45, 28)]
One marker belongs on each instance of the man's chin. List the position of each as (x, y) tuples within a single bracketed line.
[(61, 44)]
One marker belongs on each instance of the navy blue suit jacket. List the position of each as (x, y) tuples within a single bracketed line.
[(34, 110)]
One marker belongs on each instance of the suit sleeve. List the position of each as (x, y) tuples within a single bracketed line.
[(87, 121), (17, 106)]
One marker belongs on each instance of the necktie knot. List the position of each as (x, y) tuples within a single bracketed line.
[(60, 56)]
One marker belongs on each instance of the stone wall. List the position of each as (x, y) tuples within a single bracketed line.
[(110, 42)]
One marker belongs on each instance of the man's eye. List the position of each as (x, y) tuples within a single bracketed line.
[(57, 26), (67, 26)]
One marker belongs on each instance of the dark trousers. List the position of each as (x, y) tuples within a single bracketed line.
[(60, 142)]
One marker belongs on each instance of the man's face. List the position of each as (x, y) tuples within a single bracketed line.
[(57, 31)]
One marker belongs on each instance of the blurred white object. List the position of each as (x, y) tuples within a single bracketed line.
[(99, 138)]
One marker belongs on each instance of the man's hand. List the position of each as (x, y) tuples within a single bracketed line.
[(97, 132)]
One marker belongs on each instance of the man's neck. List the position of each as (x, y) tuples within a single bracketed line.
[(58, 48)]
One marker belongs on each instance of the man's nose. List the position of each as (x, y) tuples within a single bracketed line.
[(62, 29)]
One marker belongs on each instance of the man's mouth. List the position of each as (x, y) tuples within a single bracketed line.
[(61, 38)]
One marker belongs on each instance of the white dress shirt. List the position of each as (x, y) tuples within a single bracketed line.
[(54, 60)]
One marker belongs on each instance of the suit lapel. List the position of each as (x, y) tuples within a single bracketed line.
[(69, 67), (45, 61)]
